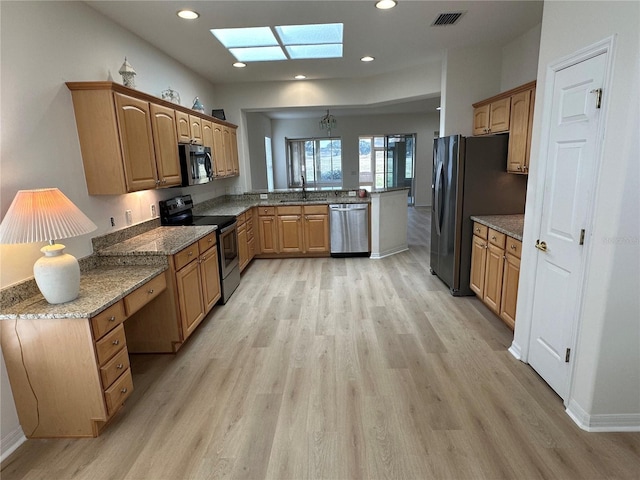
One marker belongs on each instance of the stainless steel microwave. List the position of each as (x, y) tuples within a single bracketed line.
[(196, 164)]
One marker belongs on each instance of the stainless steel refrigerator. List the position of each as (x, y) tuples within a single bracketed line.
[(469, 178)]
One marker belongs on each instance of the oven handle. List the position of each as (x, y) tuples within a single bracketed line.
[(230, 227)]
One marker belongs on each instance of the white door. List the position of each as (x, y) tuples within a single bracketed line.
[(568, 186)]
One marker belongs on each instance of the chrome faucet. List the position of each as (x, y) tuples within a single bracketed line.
[(304, 192)]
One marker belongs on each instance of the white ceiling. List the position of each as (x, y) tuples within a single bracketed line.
[(398, 38)]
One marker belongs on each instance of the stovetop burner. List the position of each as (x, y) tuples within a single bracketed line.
[(178, 211)]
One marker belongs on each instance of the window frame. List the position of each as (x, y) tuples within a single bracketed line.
[(295, 172)]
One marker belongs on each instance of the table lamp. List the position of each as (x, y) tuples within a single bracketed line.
[(48, 215)]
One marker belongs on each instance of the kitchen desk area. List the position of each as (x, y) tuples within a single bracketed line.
[(495, 263)]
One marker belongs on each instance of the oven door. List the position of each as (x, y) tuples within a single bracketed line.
[(228, 249)]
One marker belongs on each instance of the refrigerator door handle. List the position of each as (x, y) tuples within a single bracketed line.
[(439, 197)]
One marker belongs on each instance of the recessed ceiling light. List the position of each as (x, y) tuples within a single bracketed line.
[(300, 77), (386, 4), (367, 59), (239, 65), (188, 14)]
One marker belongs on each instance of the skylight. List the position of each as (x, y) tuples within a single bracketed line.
[(260, 44)]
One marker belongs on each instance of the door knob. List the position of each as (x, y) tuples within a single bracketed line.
[(541, 245)]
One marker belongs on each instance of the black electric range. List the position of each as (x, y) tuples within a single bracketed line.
[(178, 211)]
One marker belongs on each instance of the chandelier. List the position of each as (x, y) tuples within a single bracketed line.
[(328, 122)]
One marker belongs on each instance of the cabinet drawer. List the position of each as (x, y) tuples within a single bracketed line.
[(114, 368), (248, 215), (266, 211), (144, 294), (496, 238), (241, 219), (110, 344), (118, 392), (480, 230), (108, 319), (249, 224), (207, 242), (514, 247), (316, 209), (290, 210), (186, 255)]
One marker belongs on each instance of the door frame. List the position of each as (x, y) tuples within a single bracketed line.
[(526, 293)]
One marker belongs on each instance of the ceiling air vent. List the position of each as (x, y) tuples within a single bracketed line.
[(447, 19)]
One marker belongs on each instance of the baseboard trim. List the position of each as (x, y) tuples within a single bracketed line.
[(629, 422), (388, 253), (515, 350), (11, 442)]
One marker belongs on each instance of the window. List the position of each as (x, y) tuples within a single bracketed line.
[(318, 160)]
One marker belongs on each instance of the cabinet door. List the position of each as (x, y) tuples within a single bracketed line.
[(478, 265), (196, 129), (518, 131), (210, 274), (251, 245), (233, 151), (509, 300), (134, 126), (316, 233), (290, 233), (207, 134), (227, 143), (481, 120), (188, 281), (219, 161), (163, 125), (493, 277), (499, 115), (183, 129), (243, 248), (268, 234), (527, 156)]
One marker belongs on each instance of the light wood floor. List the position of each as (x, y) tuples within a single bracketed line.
[(337, 369)]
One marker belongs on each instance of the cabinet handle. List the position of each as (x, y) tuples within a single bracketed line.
[(211, 240), (112, 318), (493, 238), (120, 366), (518, 167), (190, 254), (150, 291), (157, 182), (478, 230), (512, 247), (116, 342), (124, 390)]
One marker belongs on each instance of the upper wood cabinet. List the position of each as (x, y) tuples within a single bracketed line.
[(512, 112), (129, 140)]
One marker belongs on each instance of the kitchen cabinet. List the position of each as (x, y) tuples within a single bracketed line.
[(492, 118), (194, 289), (246, 239), (495, 270), (77, 367), (129, 139), (510, 111), (290, 233), (316, 229), (520, 131), (267, 230)]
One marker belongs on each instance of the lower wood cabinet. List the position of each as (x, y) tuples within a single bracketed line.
[(194, 288), (246, 239), (293, 231), (73, 375), (495, 270)]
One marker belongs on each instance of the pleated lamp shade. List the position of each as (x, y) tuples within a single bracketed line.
[(48, 215)]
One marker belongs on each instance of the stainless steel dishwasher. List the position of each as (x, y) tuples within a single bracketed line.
[(349, 225)]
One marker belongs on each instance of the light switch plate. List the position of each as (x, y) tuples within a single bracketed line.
[(264, 196), (352, 193)]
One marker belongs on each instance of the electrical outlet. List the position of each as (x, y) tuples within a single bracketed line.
[(264, 196), (113, 222), (153, 210), (128, 216), (352, 193)]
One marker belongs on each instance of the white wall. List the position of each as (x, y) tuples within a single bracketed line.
[(43, 45), (258, 127), (349, 129), (520, 59), (607, 371)]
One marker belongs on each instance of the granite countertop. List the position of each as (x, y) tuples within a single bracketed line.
[(511, 225), (100, 288), (159, 241)]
